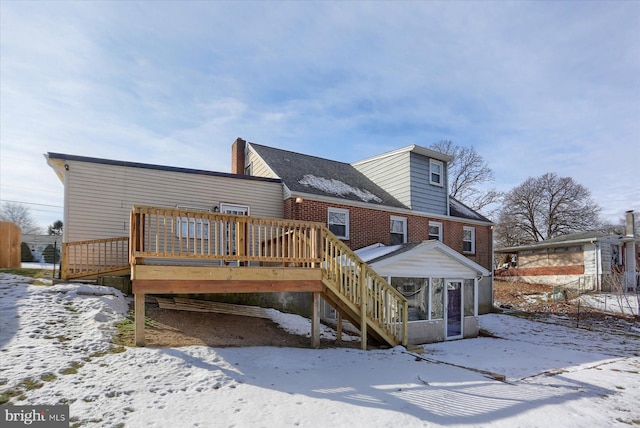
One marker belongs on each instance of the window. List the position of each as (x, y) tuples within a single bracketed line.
[(468, 240), (338, 221), (437, 298), (234, 209), (192, 228), (469, 297), (189, 227), (416, 291), (435, 172), (435, 231), (398, 230)]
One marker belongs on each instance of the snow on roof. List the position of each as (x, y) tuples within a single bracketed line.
[(337, 187), (464, 210), (376, 250)]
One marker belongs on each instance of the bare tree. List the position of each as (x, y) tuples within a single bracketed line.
[(20, 215), (545, 207), (467, 171)]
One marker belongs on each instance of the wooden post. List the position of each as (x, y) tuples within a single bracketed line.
[(363, 308), (315, 320), (339, 328), (139, 318)]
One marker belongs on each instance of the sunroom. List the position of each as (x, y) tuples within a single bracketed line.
[(440, 284)]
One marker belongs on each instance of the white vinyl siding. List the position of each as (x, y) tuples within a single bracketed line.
[(99, 197), (259, 167), (391, 173)]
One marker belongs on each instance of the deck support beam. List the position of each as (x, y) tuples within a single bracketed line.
[(315, 321), (139, 314)]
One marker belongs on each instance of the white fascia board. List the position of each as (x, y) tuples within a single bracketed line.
[(413, 148), (57, 165)]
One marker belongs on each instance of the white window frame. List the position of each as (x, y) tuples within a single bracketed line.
[(472, 231), (439, 226), (346, 219), (235, 209), (189, 227), (402, 220), (432, 164)]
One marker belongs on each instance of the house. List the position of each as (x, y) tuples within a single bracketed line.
[(38, 244), (589, 260), (397, 197), (281, 230)]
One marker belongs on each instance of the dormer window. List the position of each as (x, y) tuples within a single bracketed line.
[(435, 172)]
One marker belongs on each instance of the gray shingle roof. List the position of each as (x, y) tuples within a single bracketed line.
[(319, 176)]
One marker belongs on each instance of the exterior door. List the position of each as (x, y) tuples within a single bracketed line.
[(229, 231), (453, 316)]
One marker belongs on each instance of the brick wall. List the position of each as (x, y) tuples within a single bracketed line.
[(541, 271), (368, 226)]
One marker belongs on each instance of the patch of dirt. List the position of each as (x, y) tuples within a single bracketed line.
[(169, 328), (535, 301)]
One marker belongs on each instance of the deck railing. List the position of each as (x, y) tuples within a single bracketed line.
[(166, 233), (91, 258), (358, 283)]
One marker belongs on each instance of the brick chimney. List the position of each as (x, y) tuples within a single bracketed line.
[(237, 156), (630, 224)]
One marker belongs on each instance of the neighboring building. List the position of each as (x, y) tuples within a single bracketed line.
[(397, 198), (592, 260), (38, 243)]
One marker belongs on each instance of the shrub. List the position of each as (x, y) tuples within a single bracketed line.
[(51, 255), (26, 255)]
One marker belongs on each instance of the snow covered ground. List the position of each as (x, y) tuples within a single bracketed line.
[(59, 337)]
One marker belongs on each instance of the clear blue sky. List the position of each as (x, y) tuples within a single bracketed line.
[(535, 87)]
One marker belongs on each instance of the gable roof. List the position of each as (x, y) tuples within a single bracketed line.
[(324, 177), (460, 210), (562, 241), (381, 256)]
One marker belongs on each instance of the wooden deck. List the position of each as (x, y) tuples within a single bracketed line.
[(191, 252)]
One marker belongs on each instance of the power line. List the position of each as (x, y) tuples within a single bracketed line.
[(32, 203)]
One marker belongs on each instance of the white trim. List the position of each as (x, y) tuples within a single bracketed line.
[(413, 148)]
